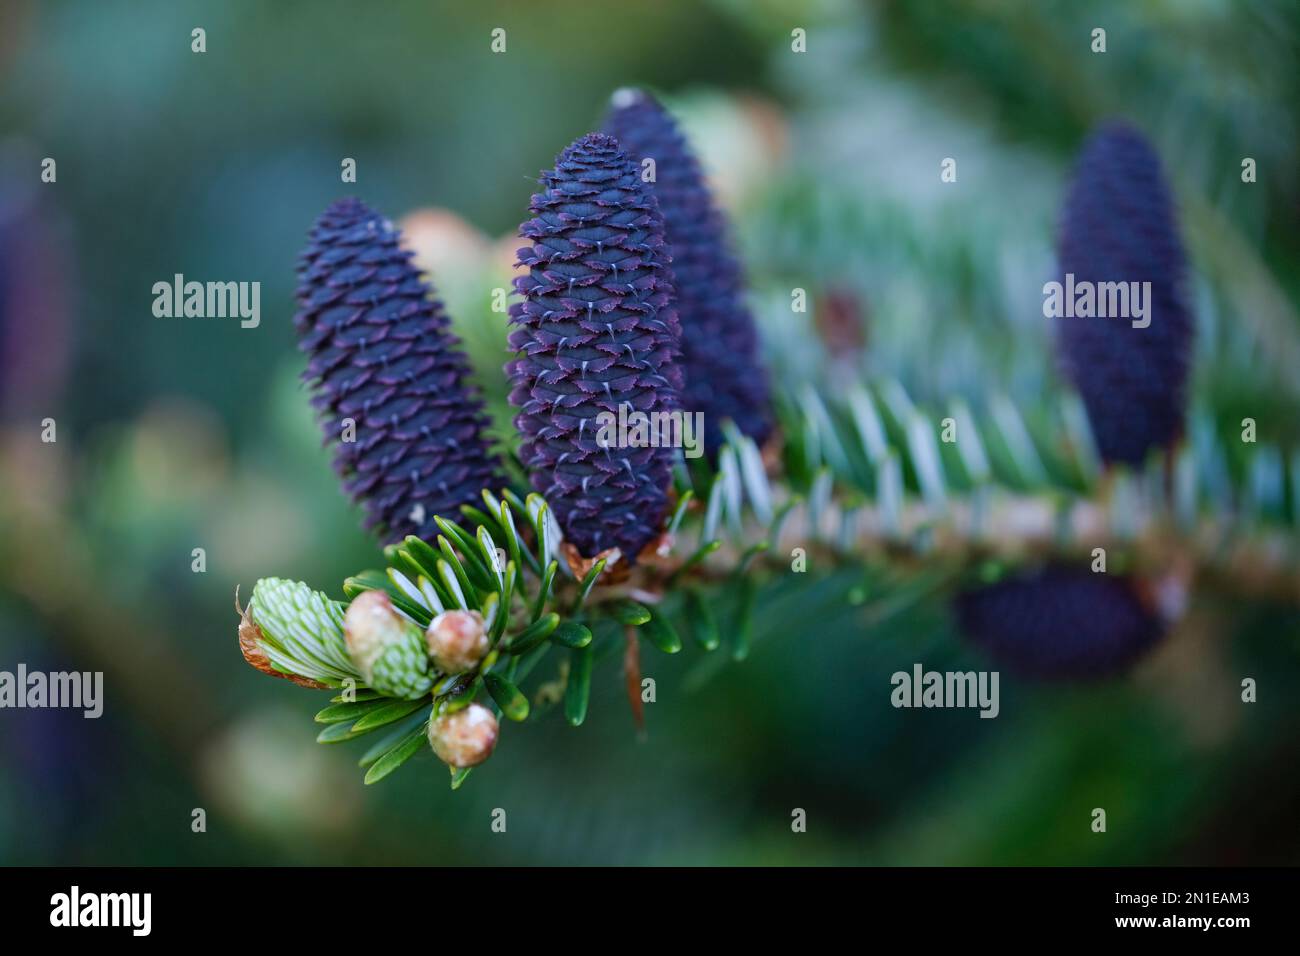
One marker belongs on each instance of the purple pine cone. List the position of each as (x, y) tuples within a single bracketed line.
[(1060, 623), (380, 354), (1119, 225), (720, 348), (595, 330)]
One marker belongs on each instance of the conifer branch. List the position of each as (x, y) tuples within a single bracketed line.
[(957, 525)]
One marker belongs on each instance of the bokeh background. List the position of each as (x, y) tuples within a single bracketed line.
[(182, 433)]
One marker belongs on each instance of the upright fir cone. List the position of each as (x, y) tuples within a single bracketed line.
[(1061, 622), (1119, 225), (380, 354), (596, 330), (720, 348)]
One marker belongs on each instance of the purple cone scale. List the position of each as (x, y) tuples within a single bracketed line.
[(720, 346), (1119, 225), (380, 354), (1060, 623), (595, 330)]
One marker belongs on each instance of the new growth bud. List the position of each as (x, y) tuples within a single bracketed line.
[(386, 648), (457, 641), (464, 738)]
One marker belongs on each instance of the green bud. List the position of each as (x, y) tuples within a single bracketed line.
[(299, 631)]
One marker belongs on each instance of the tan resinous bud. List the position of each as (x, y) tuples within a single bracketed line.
[(464, 738), (457, 641)]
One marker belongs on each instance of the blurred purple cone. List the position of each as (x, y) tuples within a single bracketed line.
[(1119, 225), (720, 347), (1060, 623)]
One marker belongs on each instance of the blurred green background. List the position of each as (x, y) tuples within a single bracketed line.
[(182, 433)]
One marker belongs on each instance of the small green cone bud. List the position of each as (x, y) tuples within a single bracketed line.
[(386, 648), (290, 628), (457, 641), (464, 738)]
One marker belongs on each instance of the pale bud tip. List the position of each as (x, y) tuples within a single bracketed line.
[(369, 626), (626, 96)]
